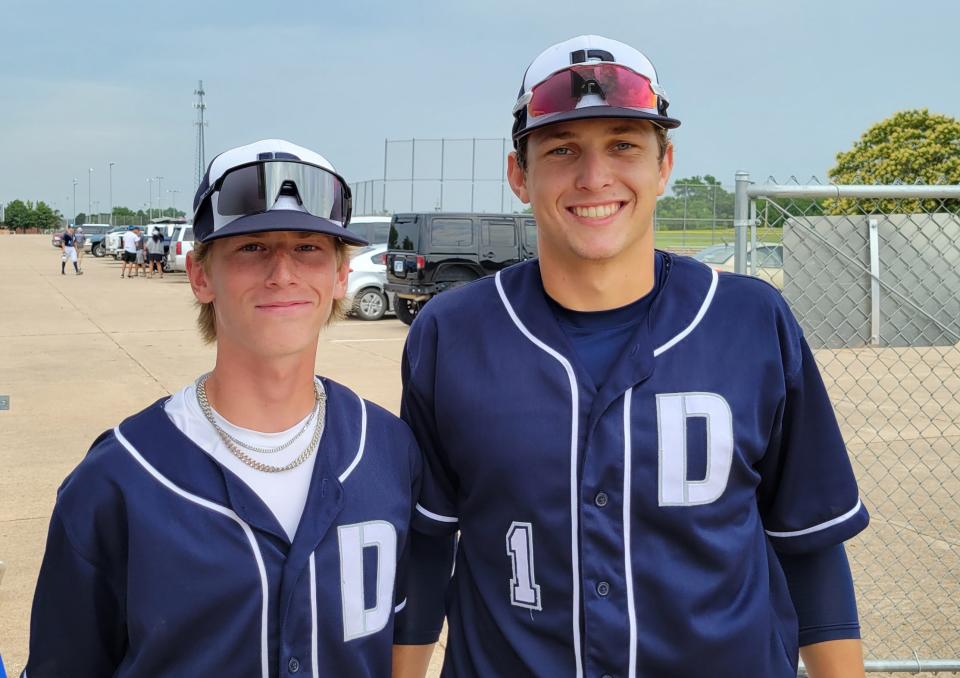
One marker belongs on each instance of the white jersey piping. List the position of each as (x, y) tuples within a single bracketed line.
[(627, 554), (696, 320), (436, 516), (363, 441), (822, 526), (314, 654), (222, 510), (574, 487)]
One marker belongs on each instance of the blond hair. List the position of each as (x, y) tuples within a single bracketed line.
[(207, 315)]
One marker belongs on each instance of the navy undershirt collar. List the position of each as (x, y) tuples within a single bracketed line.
[(600, 337)]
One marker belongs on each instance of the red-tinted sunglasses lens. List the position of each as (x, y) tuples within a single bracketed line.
[(620, 86)]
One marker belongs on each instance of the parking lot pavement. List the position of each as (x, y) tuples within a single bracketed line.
[(78, 354)]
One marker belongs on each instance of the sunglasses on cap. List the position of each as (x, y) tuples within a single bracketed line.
[(258, 187), (619, 86)]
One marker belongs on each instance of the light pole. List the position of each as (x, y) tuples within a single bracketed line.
[(160, 194), (149, 198), (110, 170), (75, 182), (89, 191), (173, 192)]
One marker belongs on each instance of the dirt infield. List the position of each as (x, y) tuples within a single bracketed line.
[(81, 352)]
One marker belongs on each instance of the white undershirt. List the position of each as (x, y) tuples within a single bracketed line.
[(284, 493)]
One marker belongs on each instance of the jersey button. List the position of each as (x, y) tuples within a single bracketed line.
[(603, 588), (601, 499), (293, 665)]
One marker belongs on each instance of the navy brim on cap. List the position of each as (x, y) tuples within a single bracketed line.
[(283, 220), (588, 112)]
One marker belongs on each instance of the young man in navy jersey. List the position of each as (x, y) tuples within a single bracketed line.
[(638, 453), (251, 524)]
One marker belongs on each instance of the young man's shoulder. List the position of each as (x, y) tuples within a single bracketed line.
[(376, 418)]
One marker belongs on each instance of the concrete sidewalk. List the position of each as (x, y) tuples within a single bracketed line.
[(80, 353)]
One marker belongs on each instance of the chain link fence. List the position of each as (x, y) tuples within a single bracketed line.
[(873, 275)]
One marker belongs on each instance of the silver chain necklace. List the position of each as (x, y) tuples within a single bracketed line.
[(319, 412)]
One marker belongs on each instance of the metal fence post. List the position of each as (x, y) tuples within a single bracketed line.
[(741, 218), (384, 206), (874, 239)]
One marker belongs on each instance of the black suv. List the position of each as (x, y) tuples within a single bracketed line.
[(430, 252)]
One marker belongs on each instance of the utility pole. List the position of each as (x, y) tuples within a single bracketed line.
[(89, 192), (160, 195), (200, 124), (173, 192), (110, 170), (75, 182)]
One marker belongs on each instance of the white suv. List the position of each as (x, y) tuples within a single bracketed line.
[(181, 243)]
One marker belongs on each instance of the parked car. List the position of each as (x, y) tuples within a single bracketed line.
[(181, 242), (94, 235), (769, 260), (375, 230), (368, 275), (55, 239), (113, 241), (430, 252)]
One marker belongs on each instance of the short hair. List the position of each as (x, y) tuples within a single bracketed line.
[(207, 315), (663, 142)]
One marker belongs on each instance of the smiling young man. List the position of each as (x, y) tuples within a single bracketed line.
[(252, 523), (632, 499)]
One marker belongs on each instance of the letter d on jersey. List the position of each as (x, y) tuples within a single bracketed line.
[(674, 410), (381, 535)]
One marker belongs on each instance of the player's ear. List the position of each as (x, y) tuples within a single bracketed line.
[(517, 178), (343, 273), (666, 168), (199, 276)]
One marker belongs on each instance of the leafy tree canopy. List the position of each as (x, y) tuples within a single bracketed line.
[(909, 147)]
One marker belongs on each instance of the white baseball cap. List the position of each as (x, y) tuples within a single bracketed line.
[(589, 76)]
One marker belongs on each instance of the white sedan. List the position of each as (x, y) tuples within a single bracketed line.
[(368, 275)]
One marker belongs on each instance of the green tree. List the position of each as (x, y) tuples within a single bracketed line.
[(697, 202), (80, 219), (19, 215), (909, 147), (44, 217)]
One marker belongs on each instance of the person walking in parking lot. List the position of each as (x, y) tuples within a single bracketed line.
[(629, 501), (253, 523), (68, 249), (154, 249), (130, 240), (80, 240)]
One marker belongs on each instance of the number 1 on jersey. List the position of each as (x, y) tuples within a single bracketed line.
[(524, 591)]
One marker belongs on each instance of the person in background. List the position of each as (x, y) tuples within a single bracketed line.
[(80, 239), (69, 252), (155, 253), (130, 239)]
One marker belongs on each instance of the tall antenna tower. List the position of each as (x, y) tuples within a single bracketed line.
[(200, 124)]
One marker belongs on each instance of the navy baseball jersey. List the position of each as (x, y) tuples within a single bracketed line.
[(626, 529), (160, 562)]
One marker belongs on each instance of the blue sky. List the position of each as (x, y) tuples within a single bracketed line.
[(775, 88)]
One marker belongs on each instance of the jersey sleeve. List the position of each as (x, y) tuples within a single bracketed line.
[(808, 494), (77, 625), (436, 510)]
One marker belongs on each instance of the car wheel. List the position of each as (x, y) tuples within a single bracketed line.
[(369, 304), (99, 250), (407, 310), (165, 265)]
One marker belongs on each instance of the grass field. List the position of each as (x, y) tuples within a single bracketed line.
[(696, 239)]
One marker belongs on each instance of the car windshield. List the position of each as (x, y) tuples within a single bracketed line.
[(716, 254)]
